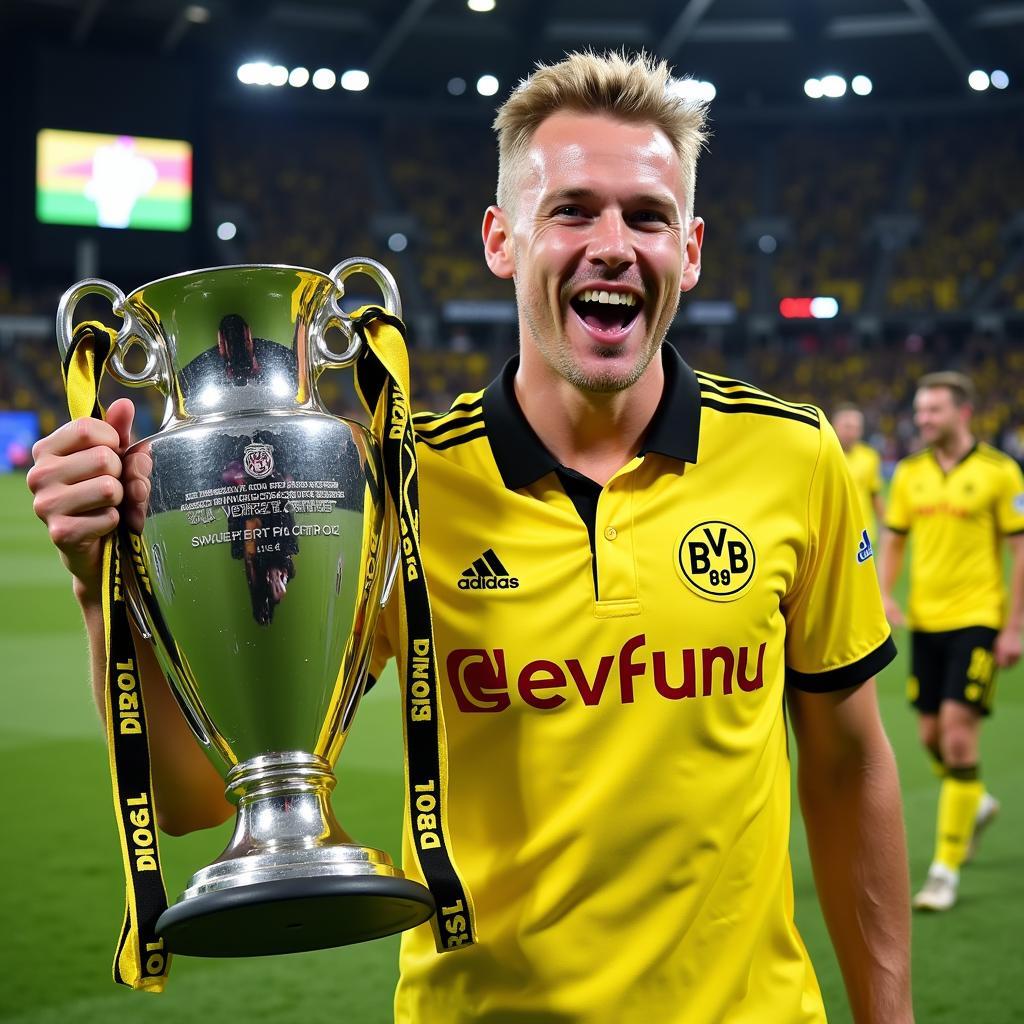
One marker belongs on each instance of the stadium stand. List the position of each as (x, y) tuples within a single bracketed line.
[(303, 188)]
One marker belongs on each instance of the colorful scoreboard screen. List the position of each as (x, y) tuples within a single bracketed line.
[(113, 181)]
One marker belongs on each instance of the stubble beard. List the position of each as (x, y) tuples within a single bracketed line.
[(560, 359)]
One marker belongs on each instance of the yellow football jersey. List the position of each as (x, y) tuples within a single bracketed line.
[(612, 665), (956, 521), (866, 469)]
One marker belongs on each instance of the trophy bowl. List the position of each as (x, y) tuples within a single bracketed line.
[(257, 567)]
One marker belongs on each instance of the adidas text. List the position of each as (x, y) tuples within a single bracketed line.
[(488, 583)]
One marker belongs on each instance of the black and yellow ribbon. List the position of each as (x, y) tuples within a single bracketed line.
[(141, 961), (382, 382)]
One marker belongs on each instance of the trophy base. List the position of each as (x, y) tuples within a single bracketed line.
[(294, 915), (291, 879)]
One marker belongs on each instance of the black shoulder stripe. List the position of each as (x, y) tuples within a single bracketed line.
[(451, 442), (434, 429), (729, 382), (761, 396), (762, 410), (470, 406)]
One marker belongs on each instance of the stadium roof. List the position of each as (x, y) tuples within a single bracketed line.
[(758, 53)]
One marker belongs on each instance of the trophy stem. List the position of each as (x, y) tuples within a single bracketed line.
[(291, 878), (283, 803)]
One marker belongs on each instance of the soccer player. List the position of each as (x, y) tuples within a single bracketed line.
[(957, 499), (634, 566), (864, 462)]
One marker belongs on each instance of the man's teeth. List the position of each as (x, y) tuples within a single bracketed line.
[(612, 298)]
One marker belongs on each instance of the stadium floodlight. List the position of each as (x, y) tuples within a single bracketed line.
[(298, 77), (813, 88), (456, 86), (226, 231), (1000, 79), (861, 85), (324, 78), (487, 85), (692, 89), (824, 307), (355, 80), (833, 86), (278, 75), (767, 244), (256, 72), (978, 80), (197, 14), (398, 242), (480, 6)]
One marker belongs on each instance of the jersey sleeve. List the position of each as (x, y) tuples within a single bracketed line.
[(897, 510), (837, 635), (1010, 511)]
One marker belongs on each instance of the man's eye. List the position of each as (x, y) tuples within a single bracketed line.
[(569, 211), (650, 216)]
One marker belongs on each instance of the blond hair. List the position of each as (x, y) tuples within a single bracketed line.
[(632, 88), (960, 386)]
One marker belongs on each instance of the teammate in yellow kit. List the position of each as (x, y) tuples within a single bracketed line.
[(634, 568), (957, 499), (864, 462)]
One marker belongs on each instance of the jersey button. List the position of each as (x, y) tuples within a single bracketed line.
[(611, 533)]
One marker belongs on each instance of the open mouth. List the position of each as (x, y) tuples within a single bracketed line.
[(606, 314)]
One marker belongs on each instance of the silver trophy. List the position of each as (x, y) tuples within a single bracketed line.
[(259, 565)]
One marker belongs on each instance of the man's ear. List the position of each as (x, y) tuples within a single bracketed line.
[(497, 237), (691, 267)]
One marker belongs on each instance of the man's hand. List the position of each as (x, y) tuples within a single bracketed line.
[(1007, 649), (893, 612), (77, 484)]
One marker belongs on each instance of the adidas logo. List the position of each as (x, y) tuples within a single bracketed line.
[(864, 549), (487, 573)]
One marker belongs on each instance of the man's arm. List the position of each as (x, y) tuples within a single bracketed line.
[(78, 489), (849, 793), (891, 563), (879, 505), (1007, 648)]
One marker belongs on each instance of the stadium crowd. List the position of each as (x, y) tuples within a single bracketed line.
[(302, 194)]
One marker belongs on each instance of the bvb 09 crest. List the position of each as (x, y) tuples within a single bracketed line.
[(716, 560), (258, 460)]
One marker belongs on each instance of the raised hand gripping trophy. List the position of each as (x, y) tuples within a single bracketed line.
[(258, 567)]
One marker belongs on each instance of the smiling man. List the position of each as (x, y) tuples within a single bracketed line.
[(634, 567)]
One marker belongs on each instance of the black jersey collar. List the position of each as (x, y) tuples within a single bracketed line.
[(523, 459)]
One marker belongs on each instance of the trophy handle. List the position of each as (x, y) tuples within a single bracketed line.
[(394, 561), (332, 315), (130, 334)]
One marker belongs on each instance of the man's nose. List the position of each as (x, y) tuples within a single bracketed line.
[(610, 243)]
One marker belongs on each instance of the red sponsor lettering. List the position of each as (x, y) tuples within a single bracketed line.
[(479, 678), (479, 684), (591, 693), (537, 676)]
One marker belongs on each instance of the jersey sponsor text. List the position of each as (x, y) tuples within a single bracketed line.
[(479, 678)]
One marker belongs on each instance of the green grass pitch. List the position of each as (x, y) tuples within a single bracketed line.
[(61, 882)]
